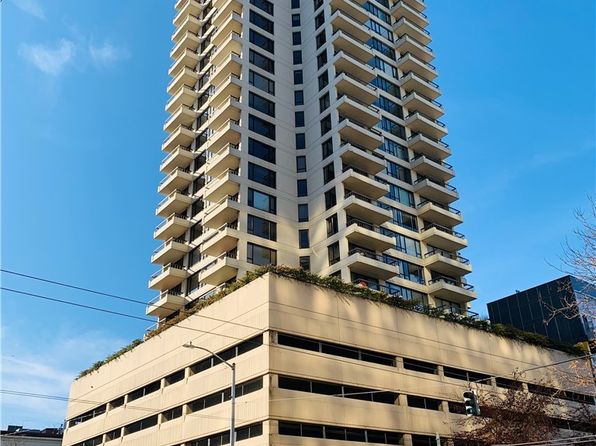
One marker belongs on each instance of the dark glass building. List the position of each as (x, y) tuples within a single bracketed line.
[(532, 310)]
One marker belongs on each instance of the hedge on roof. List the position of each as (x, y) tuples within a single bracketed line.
[(336, 284)]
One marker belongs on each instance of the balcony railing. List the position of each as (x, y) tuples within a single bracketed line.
[(417, 93), (449, 281), (173, 173), (422, 115), (167, 242), (170, 218), (344, 143), (413, 25), (217, 203), (428, 65), (439, 162), (349, 194), (165, 268), (443, 229), (363, 224), (447, 255), (345, 73), (358, 101), (437, 182), (420, 78), (172, 195), (439, 205), (435, 140), (360, 124)]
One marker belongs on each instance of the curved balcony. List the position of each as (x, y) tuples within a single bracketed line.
[(366, 160), (417, 102), (359, 134), (420, 123), (347, 63), (443, 237), (431, 147), (174, 203), (342, 41), (170, 251), (228, 133), (435, 190), (221, 213), (173, 226), (364, 233), (179, 178), (447, 263), (182, 136), (224, 268), (165, 304), (227, 183), (183, 116), (411, 81), (452, 290), (409, 62), (404, 26), (404, 9), (428, 167), (353, 8), (439, 213), (227, 158), (168, 277), (365, 208), (346, 84), (223, 239), (408, 44), (179, 157), (352, 108), (362, 183), (342, 21)]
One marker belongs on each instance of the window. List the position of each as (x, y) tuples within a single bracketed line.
[(299, 119), (261, 175), (261, 104), (298, 77), (387, 86), (424, 403), (261, 61), (302, 188), (327, 148), (262, 201), (261, 41), (305, 263), (320, 39), (261, 150), (295, 19), (172, 414), (299, 97), (174, 377), (261, 82), (389, 106), (296, 38), (262, 228), (465, 375), (394, 149), (318, 4), (323, 80), (392, 127), (297, 57), (420, 366), (113, 435), (328, 173), (332, 225), (303, 241), (265, 5), (302, 212), (330, 198), (338, 433), (260, 255), (295, 4), (322, 59), (300, 141), (300, 164), (261, 21), (236, 350), (146, 390), (333, 253), (261, 127), (319, 20), (401, 195), (377, 12), (324, 102), (325, 124), (140, 425), (399, 172)]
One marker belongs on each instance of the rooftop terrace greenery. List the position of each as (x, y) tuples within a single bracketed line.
[(336, 284)]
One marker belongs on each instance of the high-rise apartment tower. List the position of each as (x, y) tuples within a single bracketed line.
[(306, 133)]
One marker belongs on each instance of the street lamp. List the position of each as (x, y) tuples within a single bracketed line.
[(233, 390)]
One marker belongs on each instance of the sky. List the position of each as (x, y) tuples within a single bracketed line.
[(83, 95)]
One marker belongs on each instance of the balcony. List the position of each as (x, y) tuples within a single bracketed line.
[(342, 41), (443, 238), (187, 58), (346, 63), (223, 212), (233, 24), (428, 167), (346, 84), (170, 251), (183, 116), (365, 208), (411, 81), (223, 240), (417, 102), (435, 190), (404, 9), (418, 5), (366, 160), (231, 87), (179, 157), (224, 268), (231, 44), (431, 147), (188, 7), (187, 96), (223, 10), (420, 123), (228, 110), (407, 44), (439, 213), (187, 76), (364, 233), (352, 108), (179, 178), (404, 26), (165, 304), (174, 203), (188, 40), (359, 134), (173, 226), (227, 158), (182, 136), (229, 67), (228, 133), (362, 183), (409, 62), (342, 21), (168, 277), (449, 289), (368, 263), (353, 8), (188, 23), (447, 263), (227, 183)]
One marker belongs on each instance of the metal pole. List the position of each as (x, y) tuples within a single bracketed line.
[(233, 399)]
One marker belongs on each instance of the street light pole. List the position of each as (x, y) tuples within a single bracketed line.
[(232, 367)]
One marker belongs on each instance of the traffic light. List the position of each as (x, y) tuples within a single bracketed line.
[(471, 403)]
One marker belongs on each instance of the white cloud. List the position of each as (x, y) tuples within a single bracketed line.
[(107, 54), (31, 7), (50, 60)]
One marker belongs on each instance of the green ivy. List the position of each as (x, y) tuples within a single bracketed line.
[(336, 284)]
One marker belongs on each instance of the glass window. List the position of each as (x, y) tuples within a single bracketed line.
[(297, 57), (328, 173), (300, 141), (261, 61), (333, 253), (261, 41), (261, 126), (261, 21), (332, 225), (262, 201), (261, 150), (302, 188), (320, 39), (324, 102), (261, 82), (296, 38), (295, 4), (327, 148), (262, 228), (323, 80), (322, 59), (305, 263), (261, 175), (303, 241), (295, 19), (302, 212), (300, 164), (325, 124), (319, 20), (265, 5), (299, 119), (298, 77), (330, 198), (260, 255), (299, 97), (261, 104)]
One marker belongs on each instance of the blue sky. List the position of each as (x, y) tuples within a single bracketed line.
[(83, 91)]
